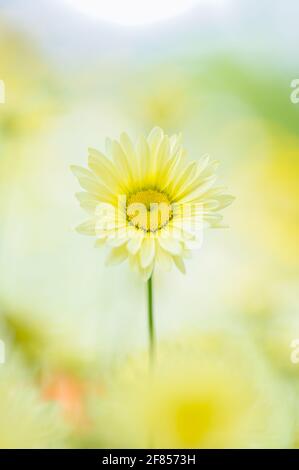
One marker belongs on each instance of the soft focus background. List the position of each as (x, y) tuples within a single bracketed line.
[(220, 72)]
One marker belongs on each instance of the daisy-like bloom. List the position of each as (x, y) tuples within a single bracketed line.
[(26, 421), (214, 391), (147, 203)]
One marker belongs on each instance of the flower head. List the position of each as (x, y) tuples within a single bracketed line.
[(26, 421), (147, 202), (213, 392)]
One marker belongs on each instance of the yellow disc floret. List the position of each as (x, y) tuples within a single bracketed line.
[(149, 210)]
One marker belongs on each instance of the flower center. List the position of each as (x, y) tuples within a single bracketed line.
[(149, 210)]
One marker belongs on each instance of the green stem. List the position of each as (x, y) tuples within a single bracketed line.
[(150, 311)]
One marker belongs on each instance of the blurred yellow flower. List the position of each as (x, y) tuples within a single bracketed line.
[(26, 422), (41, 344), (31, 94), (217, 393), (163, 95), (269, 219), (147, 203)]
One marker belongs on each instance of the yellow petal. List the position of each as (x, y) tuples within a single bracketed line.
[(130, 152), (223, 201), (81, 172), (135, 242), (179, 262), (147, 272), (195, 189), (170, 245), (143, 153), (87, 201), (163, 259), (154, 139), (147, 251), (116, 256), (177, 183), (95, 188), (163, 157), (100, 242), (121, 161), (175, 142), (105, 170), (87, 227)]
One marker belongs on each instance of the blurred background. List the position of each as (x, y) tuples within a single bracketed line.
[(75, 71)]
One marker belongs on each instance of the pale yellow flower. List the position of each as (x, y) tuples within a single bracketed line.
[(214, 392), (30, 89), (147, 202), (26, 421)]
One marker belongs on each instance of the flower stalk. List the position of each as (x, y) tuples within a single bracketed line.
[(150, 312)]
